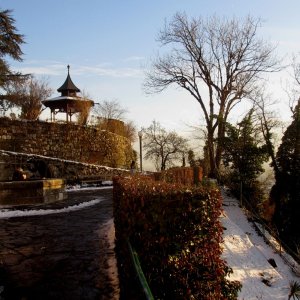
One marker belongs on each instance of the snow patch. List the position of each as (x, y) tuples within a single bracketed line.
[(5, 152), (73, 188), (247, 254), (6, 213)]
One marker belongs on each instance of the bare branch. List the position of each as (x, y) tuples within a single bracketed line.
[(218, 61), (27, 94), (163, 146), (110, 109)]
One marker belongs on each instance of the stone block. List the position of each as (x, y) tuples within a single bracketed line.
[(32, 192)]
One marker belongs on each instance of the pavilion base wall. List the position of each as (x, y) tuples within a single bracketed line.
[(66, 141)]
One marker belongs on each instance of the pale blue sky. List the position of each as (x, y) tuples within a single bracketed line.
[(107, 44)]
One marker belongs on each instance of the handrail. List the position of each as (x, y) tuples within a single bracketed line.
[(140, 273)]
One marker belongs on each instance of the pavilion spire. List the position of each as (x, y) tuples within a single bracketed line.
[(68, 88)]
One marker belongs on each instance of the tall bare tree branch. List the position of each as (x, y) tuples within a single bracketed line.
[(218, 61)]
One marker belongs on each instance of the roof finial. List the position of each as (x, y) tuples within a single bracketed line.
[(68, 66)]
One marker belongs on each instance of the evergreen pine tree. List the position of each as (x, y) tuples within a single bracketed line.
[(242, 150), (286, 191), (10, 42), (244, 155)]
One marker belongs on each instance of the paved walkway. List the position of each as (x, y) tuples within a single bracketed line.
[(60, 256)]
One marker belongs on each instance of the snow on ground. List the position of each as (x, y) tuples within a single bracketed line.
[(7, 213), (247, 254), (73, 188)]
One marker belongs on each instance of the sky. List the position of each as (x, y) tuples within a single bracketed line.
[(110, 44)]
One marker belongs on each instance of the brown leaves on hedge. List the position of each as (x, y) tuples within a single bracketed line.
[(177, 234)]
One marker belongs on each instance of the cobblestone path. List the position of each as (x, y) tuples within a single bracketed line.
[(60, 256)]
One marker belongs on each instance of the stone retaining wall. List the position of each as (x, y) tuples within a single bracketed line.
[(66, 141), (71, 171)]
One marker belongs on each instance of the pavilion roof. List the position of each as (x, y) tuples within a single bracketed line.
[(68, 85)]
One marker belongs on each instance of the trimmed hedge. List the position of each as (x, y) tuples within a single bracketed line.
[(177, 234), (184, 175)]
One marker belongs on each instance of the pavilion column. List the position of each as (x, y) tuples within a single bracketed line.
[(52, 115)]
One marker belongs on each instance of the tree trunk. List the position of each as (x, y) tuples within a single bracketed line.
[(219, 148), (213, 172), (222, 117), (163, 164)]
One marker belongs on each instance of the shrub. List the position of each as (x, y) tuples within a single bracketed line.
[(177, 234)]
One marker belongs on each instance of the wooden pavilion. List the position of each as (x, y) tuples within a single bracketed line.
[(68, 102)]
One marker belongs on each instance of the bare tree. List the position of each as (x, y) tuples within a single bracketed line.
[(162, 146), (27, 94), (5, 104), (130, 131), (107, 111), (293, 88), (84, 108), (296, 69), (218, 61), (110, 109), (268, 121)]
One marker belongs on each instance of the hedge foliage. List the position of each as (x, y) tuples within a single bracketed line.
[(177, 234), (184, 175)]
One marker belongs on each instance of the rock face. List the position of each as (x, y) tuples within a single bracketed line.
[(66, 141)]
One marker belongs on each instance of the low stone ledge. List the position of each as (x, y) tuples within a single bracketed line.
[(32, 192)]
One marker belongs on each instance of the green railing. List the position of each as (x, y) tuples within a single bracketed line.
[(140, 274)]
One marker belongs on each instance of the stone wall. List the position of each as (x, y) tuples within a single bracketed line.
[(32, 192), (71, 171), (66, 141)]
